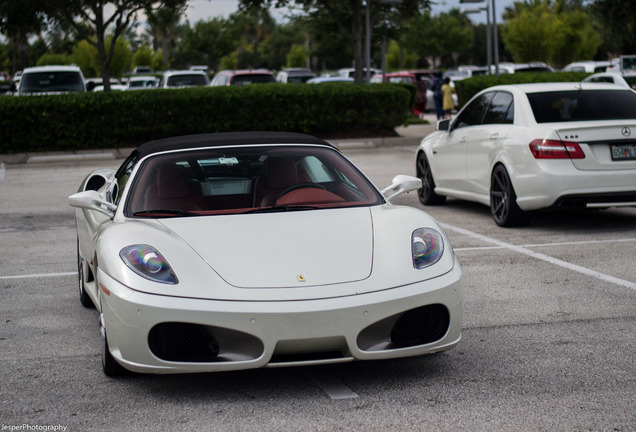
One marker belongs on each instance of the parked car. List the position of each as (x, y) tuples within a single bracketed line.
[(523, 67), (240, 78), (139, 70), (627, 80), (184, 78), (520, 148), (422, 87), (350, 72), (46, 80), (330, 79), (142, 82), (295, 75), (589, 66), (93, 83), (232, 251)]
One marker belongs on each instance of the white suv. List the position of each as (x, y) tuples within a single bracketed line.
[(51, 80)]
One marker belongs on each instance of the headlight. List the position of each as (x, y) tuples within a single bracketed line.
[(427, 246), (148, 263)]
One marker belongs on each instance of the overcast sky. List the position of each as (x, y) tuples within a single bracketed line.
[(208, 9)]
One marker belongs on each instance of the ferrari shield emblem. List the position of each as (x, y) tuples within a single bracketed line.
[(301, 278)]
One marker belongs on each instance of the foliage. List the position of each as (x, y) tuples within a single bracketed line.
[(433, 37), (54, 59), (546, 31), (618, 24), (399, 58), (207, 42), (297, 56), (94, 120), (85, 55)]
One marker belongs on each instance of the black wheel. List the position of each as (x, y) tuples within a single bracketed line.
[(301, 186), (427, 194), (503, 201), (85, 300)]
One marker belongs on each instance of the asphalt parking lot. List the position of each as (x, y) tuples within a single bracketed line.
[(549, 338)]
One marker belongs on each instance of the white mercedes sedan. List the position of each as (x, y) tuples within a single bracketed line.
[(520, 148), (233, 251)]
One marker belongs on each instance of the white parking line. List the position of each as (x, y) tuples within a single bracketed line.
[(41, 275), (330, 384), (543, 257)]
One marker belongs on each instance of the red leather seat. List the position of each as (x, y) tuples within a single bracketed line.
[(280, 173), (173, 190)]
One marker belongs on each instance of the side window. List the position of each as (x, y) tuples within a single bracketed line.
[(472, 115), (121, 177), (315, 170), (501, 109)]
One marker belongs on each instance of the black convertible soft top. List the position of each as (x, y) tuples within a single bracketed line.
[(226, 139)]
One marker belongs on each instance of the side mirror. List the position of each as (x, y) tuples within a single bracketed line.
[(91, 200), (402, 184), (443, 125), (90, 86)]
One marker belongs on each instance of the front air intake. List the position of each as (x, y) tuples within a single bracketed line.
[(420, 326), (183, 342)]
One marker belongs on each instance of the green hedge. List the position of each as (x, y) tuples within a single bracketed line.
[(121, 119), (468, 88)]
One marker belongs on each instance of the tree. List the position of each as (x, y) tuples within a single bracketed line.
[(349, 17), (94, 20), (18, 20), (85, 55), (207, 42), (433, 37), (618, 24), (163, 23), (556, 33)]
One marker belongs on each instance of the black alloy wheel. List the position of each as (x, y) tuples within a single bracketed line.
[(427, 193), (503, 201)]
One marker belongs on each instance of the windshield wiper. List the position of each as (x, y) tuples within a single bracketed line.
[(167, 212), (281, 208)]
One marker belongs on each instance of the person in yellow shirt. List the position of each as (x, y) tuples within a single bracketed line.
[(447, 98)]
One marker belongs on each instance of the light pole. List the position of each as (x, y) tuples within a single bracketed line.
[(495, 32), (367, 42)]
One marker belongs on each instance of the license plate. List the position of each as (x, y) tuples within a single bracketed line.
[(623, 151)]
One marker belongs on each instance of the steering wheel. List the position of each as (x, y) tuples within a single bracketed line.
[(301, 186)]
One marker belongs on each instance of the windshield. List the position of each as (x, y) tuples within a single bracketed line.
[(54, 81), (187, 80), (247, 180), (583, 105)]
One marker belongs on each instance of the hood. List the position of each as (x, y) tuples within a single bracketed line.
[(283, 250)]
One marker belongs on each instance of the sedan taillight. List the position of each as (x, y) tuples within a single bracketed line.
[(555, 149)]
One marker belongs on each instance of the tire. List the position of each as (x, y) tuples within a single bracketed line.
[(85, 299), (109, 365), (427, 193), (503, 201)]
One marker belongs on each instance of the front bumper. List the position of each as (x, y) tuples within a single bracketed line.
[(159, 334)]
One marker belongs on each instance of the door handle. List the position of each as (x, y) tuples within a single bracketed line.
[(494, 136)]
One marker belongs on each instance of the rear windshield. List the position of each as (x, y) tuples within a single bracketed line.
[(54, 81), (187, 80), (583, 105), (240, 80)]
